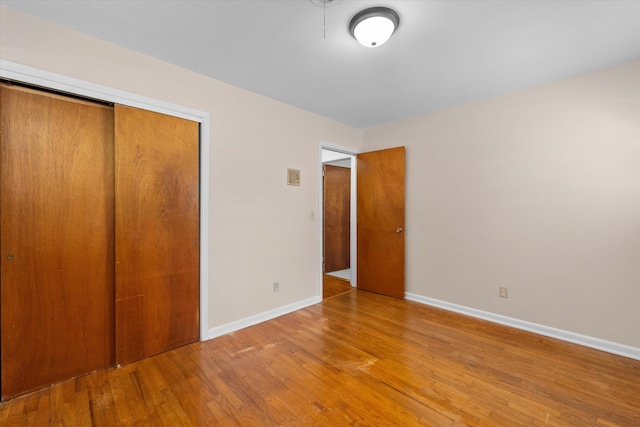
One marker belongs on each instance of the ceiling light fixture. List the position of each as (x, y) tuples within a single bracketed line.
[(372, 27)]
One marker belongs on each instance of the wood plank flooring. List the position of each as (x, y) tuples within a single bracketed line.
[(332, 286), (354, 359)]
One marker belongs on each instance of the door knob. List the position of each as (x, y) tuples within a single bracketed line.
[(400, 230), (10, 256)]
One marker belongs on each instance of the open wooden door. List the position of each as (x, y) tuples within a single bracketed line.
[(157, 233), (336, 248), (57, 243), (381, 217)]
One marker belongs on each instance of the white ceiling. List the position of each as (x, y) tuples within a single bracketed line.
[(445, 52)]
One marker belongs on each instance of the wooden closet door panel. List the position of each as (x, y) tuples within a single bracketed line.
[(157, 233), (337, 218), (57, 238)]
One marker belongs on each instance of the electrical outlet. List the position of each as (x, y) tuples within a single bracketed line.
[(276, 286), (504, 292)]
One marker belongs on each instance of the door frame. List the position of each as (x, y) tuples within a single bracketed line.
[(22, 73), (353, 247)]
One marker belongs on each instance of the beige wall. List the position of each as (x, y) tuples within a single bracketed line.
[(537, 190), (260, 228)]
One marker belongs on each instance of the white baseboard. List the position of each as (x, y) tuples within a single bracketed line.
[(262, 317), (587, 341)]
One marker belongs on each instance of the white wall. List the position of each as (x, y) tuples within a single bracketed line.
[(538, 191), (260, 228)]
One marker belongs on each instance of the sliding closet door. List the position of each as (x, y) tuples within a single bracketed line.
[(56, 238), (157, 233)]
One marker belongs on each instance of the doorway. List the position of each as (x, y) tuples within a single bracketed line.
[(337, 207), (377, 219)]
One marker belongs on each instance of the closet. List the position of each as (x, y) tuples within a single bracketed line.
[(99, 236)]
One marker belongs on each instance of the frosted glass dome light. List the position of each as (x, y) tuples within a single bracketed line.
[(373, 27)]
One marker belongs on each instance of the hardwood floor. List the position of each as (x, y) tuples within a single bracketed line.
[(332, 286), (354, 359)]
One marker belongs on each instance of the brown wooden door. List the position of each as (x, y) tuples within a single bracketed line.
[(336, 216), (56, 242), (157, 233), (381, 216)]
